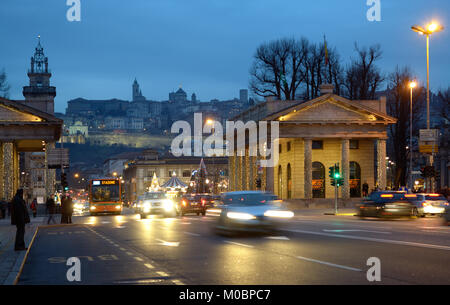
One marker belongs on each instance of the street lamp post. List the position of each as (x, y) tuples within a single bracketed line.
[(430, 29), (411, 86)]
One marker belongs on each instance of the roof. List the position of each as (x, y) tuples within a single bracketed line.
[(45, 117), (174, 182)]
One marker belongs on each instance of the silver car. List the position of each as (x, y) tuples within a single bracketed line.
[(157, 203), (248, 211), (429, 204)]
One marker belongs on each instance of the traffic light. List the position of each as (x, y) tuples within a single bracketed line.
[(337, 175), (64, 183), (331, 175)]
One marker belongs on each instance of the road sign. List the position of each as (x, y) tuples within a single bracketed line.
[(428, 148), (428, 135), (57, 157)]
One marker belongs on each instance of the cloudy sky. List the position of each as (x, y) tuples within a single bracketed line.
[(204, 45)]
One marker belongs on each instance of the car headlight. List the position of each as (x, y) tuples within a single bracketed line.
[(242, 216), (280, 214), (92, 207), (117, 207), (168, 205)]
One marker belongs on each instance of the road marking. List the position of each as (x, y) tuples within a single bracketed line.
[(140, 281), (278, 237), (168, 243), (328, 264), (186, 223), (162, 273), (238, 244), (387, 241), (120, 227), (193, 234), (149, 266), (106, 221), (129, 253), (139, 259), (177, 282), (123, 249), (369, 231)]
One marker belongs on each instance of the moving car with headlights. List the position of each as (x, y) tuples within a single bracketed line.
[(249, 211), (156, 203), (429, 204), (193, 204), (389, 204)]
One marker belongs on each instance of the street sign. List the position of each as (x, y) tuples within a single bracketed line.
[(57, 157), (428, 135), (428, 148)]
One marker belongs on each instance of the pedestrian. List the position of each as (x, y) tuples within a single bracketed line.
[(51, 210), (33, 207), (365, 188), (3, 207), (19, 217), (64, 216), (69, 209)]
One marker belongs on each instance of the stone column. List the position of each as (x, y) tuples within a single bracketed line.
[(345, 168), (308, 168), (8, 170), (381, 163)]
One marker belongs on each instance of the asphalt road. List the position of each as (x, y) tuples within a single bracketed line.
[(311, 249)]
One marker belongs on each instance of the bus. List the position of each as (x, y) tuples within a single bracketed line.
[(105, 196)]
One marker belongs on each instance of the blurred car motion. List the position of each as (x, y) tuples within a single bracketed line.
[(156, 203), (249, 211), (429, 204), (387, 204), (193, 203)]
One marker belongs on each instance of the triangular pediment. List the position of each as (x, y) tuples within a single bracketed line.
[(10, 114), (331, 109)]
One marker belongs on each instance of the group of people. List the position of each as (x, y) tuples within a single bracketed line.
[(66, 209)]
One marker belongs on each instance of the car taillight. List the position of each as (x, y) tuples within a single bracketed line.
[(183, 203), (203, 201)]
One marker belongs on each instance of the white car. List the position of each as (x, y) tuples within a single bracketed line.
[(156, 203), (429, 204), (249, 211)]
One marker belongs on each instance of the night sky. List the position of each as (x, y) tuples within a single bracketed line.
[(204, 45)]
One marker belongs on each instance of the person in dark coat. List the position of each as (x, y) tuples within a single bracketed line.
[(33, 207), (69, 209), (19, 217), (64, 209), (365, 188), (51, 207)]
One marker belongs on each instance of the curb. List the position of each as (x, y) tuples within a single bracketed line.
[(16, 280)]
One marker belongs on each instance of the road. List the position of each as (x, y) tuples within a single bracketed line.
[(310, 249)]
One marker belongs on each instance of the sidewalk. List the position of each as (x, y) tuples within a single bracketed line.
[(10, 260)]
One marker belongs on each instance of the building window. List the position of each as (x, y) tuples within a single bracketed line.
[(355, 179), (279, 148), (317, 144), (289, 181), (318, 180), (354, 144), (186, 173), (288, 148), (280, 182)]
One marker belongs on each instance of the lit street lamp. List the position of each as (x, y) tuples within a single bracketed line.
[(412, 85), (430, 29)]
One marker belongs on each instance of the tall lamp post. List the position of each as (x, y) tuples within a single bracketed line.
[(430, 29), (412, 85)]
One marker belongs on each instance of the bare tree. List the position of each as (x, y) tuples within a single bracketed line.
[(4, 86), (444, 99), (362, 77), (276, 70), (398, 106)]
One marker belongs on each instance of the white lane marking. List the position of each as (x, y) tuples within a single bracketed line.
[(193, 234), (168, 243), (387, 241), (433, 231), (129, 253), (149, 266), (139, 259), (368, 231), (123, 249), (278, 237), (186, 223), (140, 281), (120, 227), (238, 244), (162, 273), (106, 221), (328, 264), (177, 282)]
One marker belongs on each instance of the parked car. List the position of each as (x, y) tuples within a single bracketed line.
[(386, 204), (429, 204), (249, 211), (193, 204), (156, 203)]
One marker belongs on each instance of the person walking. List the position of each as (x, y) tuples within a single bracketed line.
[(365, 188), (69, 209), (51, 210), (33, 207), (19, 217)]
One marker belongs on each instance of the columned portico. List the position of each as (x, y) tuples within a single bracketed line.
[(308, 167), (381, 164)]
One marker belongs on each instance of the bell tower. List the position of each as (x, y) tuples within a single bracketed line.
[(39, 94)]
